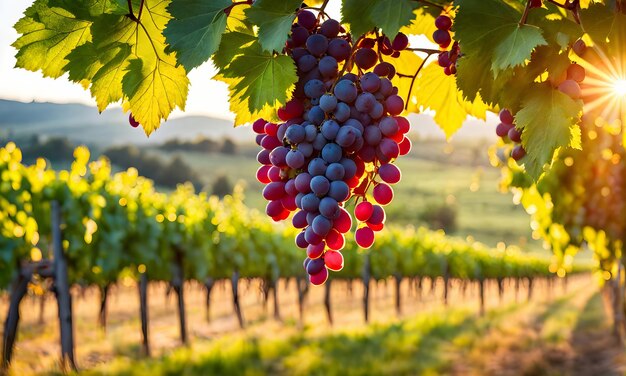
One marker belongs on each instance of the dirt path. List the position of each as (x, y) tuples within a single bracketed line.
[(569, 336)]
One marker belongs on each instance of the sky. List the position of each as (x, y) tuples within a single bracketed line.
[(206, 96)]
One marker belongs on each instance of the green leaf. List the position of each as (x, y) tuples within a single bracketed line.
[(391, 15), (83, 63), (265, 79), (274, 18), (357, 14), (48, 35), (548, 121), (106, 84), (195, 30), (598, 20), (516, 47), (230, 46)]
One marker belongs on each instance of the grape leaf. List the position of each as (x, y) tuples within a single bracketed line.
[(439, 92), (136, 67), (49, 34), (423, 23), (265, 79), (391, 15), (230, 46), (195, 30), (356, 13), (597, 21), (274, 18), (83, 64), (548, 121), (517, 47)]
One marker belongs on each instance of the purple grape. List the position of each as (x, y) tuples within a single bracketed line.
[(372, 135), (299, 36), (370, 82), (388, 126), (321, 225), (295, 134), (311, 132), (328, 102), (335, 171), (299, 219), (264, 157), (306, 149), (315, 266), (339, 49), (303, 182), (329, 129), (317, 44), (274, 191), (307, 19), (330, 28), (311, 237), (365, 102), (339, 190), (310, 202), (346, 91), (377, 111), (314, 89), (329, 207), (342, 112), (320, 185), (301, 242), (331, 153), (349, 167), (346, 136), (317, 166), (306, 63), (316, 115), (278, 156), (295, 159), (328, 66)]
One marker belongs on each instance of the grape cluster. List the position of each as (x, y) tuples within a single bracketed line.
[(339, 136), (573, 77), (441, 36), (507, 130)]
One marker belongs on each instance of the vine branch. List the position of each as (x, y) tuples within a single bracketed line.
[(408, 96)]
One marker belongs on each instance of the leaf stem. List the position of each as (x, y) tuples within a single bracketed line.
[(522, 21), (131, 14), (140, 9)]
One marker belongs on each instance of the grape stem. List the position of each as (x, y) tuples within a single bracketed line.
[(322, 10)]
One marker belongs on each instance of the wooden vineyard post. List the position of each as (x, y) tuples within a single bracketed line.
[(102, 315), (62, 289), (517, 283), (178, 282), (275, 295), (209, 283), (18, 291), (500, 281), (398, 280), (329, 313), (235, 286), (530, 289), (143, 312), (446, 281), (366, 287), (481, 293)]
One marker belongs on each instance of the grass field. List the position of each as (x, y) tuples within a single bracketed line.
[(559, 332)]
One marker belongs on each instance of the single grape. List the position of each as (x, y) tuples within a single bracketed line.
[(329, 207), (389, 173), (274, 174), (579, 47), (346, 136), (278, 156), (307, 19), (314, 89), (289, 203), (346, 91), (274, 191), (363, 211), (330, 128), (370, 82), (343, 223), (261, 174), (342, 112), (394, 104), (133, 122), (307, 63), (403, 124), (301, 241), (317, 44), (442, 38), (506, 117), (364, 237), (339, 49), (295, 134), (389, 148), (333, 260), (515, 135), (274, 208), (321, 225), (315, 266), (443, 22), (339, 190), (316, 115), (378, 215), (388, 126), (306, 149), (319, 278), (320, 185), (295, 159), (518, 152), (259, 126), (299, 35), (365, 58), (365, 102), (383, 193), (311, 237), (349, 167), (335, 240), (328, 102), (401, 41), (328, 66), (331, 153), (330, 28), (310, 202), (303, 182), (335, 171), (315, 251), (385, 69), (443, 59), (311, 132), (502, 130)]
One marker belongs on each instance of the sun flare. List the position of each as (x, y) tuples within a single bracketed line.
[(619, 87)]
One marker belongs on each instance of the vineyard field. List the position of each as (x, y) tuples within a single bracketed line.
[(450, 340)]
